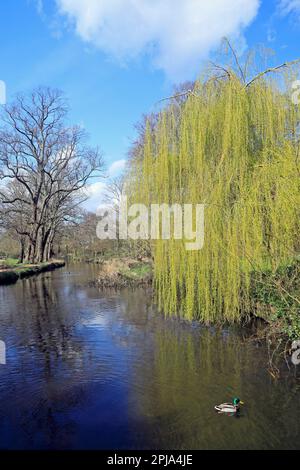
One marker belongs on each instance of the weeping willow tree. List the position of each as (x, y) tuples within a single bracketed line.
[(233, 145)]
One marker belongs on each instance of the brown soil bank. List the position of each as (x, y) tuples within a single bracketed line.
[(10, 276)]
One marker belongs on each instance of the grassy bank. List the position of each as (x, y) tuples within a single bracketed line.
[(123, 272), (276, 297), (11, 270)]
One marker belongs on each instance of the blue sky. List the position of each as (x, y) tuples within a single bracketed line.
[(115, 59)]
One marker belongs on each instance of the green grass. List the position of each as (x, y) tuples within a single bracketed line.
[(19, 271), (118, 273), (9, 263), (138, 272)]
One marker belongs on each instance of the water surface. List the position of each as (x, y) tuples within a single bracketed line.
[(103, 370)]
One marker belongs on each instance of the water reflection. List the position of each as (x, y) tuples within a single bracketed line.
[(189, 373), (92, 369)]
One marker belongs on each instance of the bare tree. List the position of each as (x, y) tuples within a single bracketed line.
[(48, 164), (15, 216), (112, 198), (114, 190)]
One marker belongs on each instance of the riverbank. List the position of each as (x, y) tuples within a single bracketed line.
[(21, 271), (125, 272)]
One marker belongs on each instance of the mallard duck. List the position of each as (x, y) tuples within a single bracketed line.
[(229, 407)]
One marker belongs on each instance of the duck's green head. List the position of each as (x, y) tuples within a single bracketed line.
[(237, 401)]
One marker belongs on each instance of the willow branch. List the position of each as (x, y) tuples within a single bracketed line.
[(178, 95), (236, 59), (272, 70)]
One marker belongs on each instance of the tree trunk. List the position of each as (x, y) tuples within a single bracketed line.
[(49, 244), (27, 257), (22, 250)]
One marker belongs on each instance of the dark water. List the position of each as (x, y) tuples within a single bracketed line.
[(91, 370)]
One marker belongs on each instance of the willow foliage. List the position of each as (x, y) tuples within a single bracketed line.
[(235, 148)]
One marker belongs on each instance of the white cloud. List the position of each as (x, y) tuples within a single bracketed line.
[(176, 33), (289, 6), (94, 192), (116, 167), (40, 7)]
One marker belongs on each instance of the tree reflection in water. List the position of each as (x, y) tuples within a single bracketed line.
[(102, 369)]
